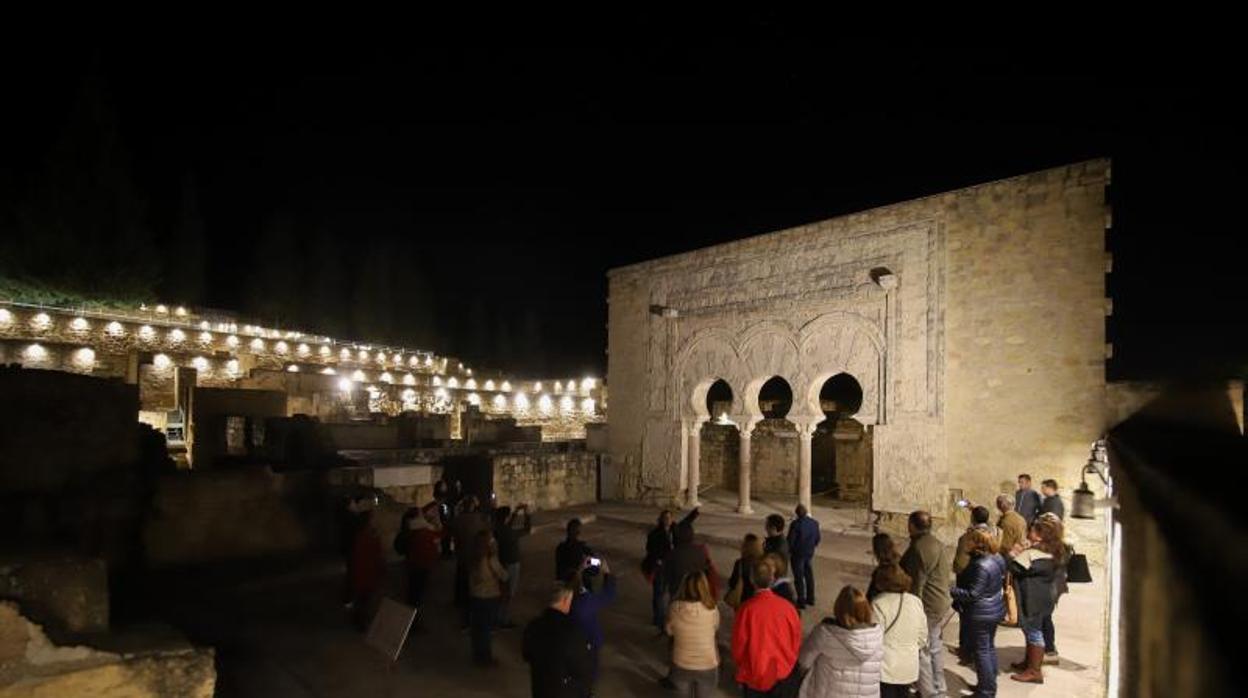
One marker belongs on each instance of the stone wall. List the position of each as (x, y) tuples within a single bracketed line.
[(211, 410), (67, 593), (973, 321), (1025, 327), (721, 453), (59, 429), (773, 449), (31, 666), (205, 516), (546, 480)]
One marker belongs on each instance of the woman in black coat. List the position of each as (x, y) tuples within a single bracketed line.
[(1035, 564), (659, 542), (981, 605)]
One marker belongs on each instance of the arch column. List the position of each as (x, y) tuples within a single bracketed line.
[(745, 431), (683, 484), (694, 461), (805, 433)]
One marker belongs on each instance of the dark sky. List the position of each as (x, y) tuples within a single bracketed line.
[(468, 194)]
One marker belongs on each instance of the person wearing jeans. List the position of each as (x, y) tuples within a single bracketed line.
[(486, 580), (981, 603), (929, 566), (1034, 564), (803, 539)]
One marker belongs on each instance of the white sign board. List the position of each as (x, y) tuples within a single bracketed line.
[(390, 626)]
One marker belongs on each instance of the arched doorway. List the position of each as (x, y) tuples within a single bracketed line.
[(841, 447), (774, 444), (718, 450)]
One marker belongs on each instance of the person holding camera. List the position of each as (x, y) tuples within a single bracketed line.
[(509, 527), (587, 604), (571, 553)]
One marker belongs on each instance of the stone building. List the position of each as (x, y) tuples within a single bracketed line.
[(169, 352), (970, 324)]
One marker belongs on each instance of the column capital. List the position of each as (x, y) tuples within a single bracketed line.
[(692, 426), (806, 428), (746, 424)]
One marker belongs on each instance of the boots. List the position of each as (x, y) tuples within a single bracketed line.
[(1033, 673)]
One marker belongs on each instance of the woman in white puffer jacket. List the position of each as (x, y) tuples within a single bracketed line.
[(844, 653)]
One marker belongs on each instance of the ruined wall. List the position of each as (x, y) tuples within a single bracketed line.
[(546, 480), (980, 355), (207, 516), (211, 410), (68, 593), (60, 429), (31, 666)]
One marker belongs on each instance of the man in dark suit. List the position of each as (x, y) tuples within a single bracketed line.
[(1052, 503), (1026, 500)]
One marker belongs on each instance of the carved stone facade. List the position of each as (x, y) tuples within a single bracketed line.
[(924, 303)]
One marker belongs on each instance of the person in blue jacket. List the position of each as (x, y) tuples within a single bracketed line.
[(803, 539), (980, 602), (587, 604)]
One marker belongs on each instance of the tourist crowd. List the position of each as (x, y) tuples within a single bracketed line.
[(886, 641)]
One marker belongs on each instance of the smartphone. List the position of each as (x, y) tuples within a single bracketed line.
[(593, 562)]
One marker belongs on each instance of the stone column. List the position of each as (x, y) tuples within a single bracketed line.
[(743, 479), (683, 483), (805, 432), (695, 463)]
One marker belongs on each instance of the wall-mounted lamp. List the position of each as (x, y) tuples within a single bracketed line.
[(1083, 502)]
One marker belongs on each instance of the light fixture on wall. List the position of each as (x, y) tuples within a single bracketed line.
[(1083, 502)]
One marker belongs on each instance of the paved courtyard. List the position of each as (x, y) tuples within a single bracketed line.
[(280, 632)]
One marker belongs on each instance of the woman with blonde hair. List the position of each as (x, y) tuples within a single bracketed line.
[(486, 577), (845, 652), (751, 552), (980, 604), (692, 620)]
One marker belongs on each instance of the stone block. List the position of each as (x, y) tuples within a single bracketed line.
[(65, 592)]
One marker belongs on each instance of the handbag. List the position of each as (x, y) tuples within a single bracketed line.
[(1010, 598), (1077, 571)]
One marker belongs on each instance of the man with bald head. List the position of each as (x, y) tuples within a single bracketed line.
[(1013, 527)]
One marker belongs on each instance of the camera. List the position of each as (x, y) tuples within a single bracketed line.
[(593, 565), (964, 503)]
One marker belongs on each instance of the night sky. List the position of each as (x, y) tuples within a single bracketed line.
[(467, 195)]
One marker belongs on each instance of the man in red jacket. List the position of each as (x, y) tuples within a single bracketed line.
[(766, 638)]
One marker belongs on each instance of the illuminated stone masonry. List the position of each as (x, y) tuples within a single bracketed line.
[(973, 323), (329, 378)]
